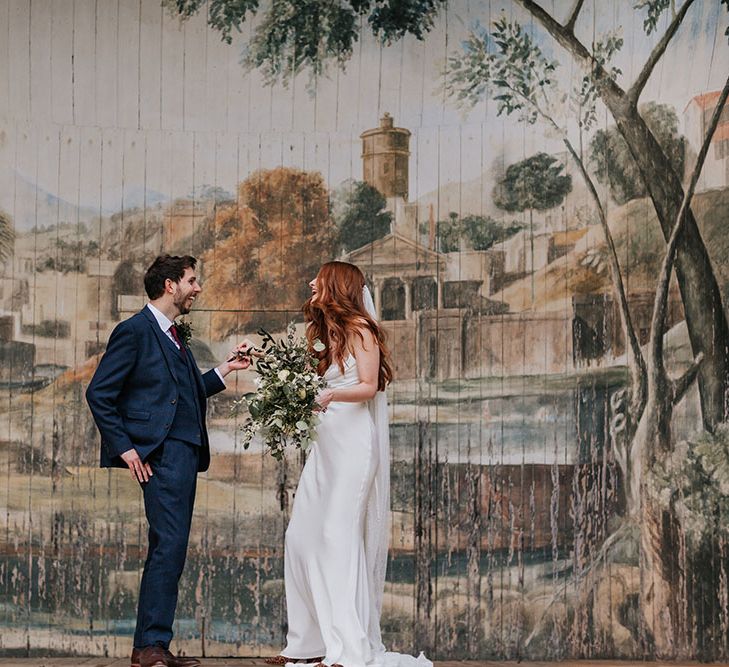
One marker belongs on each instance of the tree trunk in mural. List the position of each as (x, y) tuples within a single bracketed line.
[(705, 319), (663, 584), (660, 578)]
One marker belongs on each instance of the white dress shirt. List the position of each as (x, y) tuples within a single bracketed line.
[(165, 323)]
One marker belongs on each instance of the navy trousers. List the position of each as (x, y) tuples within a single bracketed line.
[(169, 497)]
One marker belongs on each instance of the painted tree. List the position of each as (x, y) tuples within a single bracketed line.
[(478, 232), (359, 211), (296, 35), (211, 192), (705, 318), (269, 245), (536, 183), (483, 232), (449, 233), (615, 167), (509, 65)]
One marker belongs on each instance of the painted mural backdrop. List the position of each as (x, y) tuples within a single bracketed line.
[(508, 176)]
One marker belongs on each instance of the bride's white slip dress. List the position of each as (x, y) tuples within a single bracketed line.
[(333, 566)]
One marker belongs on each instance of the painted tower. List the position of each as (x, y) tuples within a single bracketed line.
[(385, 154)]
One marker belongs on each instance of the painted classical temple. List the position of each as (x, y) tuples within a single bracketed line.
[(406, 271)]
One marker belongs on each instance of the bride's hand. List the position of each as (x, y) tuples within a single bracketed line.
[(324, 398)]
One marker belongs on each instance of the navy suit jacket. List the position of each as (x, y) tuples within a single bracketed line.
[(133, 394)]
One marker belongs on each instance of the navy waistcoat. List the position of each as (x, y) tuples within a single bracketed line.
[(187, 423)]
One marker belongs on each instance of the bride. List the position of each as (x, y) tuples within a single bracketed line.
[(337, 539)]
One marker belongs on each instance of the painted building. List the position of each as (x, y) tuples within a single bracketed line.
[(696, 117)]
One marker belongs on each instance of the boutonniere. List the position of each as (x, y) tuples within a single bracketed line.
[(184, 331)]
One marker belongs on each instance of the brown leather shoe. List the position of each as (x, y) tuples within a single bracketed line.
[(153, 656), (181, 660)]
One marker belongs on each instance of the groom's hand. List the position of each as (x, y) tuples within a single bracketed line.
[(239, 358), (140, 471)]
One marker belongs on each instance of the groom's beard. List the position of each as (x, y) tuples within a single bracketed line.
[(183, 304)]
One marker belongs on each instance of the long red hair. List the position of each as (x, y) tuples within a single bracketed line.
[(337, 314)]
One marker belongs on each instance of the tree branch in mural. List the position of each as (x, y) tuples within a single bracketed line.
[(520, 78), (570, 25), (655, 9), (535, 183), (296, 35), (523, 80)]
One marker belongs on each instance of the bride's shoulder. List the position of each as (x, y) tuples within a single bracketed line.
[(358, 325), (364, 337)]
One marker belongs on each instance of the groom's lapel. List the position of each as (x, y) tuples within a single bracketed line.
[(164, 343)]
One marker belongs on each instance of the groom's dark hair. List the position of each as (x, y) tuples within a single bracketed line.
[(164, 267)]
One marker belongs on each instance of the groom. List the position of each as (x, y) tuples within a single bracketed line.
[(148, 399)]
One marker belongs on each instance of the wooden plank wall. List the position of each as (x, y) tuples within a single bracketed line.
[(125, 133)]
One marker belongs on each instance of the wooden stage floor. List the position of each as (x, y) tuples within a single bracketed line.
[(258, 662)]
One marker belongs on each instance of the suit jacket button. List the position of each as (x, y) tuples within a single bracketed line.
[(173, 401)]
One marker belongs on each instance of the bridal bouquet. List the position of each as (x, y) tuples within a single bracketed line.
[(282, 409)]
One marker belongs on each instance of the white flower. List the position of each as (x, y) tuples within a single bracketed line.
[(282, 375), (302, 426), (319, 346)]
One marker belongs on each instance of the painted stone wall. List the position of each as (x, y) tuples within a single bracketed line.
[(519, 525)]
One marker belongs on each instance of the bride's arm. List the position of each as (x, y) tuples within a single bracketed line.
[(367, 355)]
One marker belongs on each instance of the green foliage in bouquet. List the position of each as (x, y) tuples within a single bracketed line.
[(282, 410)]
